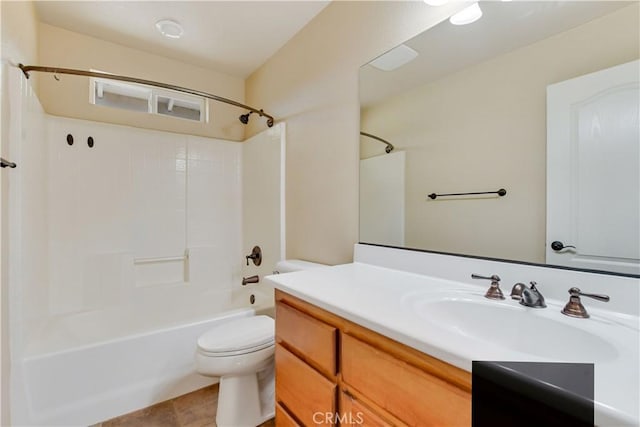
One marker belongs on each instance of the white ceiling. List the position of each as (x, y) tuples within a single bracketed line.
[(232, 37), (504, 26)]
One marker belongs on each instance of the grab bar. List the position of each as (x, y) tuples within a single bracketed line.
[(161, 259)]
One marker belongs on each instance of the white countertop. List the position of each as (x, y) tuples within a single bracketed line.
[(383, 300)]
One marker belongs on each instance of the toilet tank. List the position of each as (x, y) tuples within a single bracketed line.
[(291, 265)]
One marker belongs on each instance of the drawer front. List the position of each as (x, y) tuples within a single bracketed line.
[(303, 391), (408, 393), (354, 413), (311, 339), (283, 419)]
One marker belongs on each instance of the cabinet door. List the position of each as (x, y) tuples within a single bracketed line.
[(283, 419), (304, 392), (354, 413), (311, 339), (408, 393)]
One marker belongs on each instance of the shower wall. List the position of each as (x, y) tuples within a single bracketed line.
[(25, 227), (143, 218), (263, 198)]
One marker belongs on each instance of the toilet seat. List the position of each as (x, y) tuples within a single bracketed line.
[(240, 336)]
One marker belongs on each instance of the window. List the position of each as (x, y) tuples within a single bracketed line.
[(146, 99)]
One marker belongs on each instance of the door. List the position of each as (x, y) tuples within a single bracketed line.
[(593, 171)]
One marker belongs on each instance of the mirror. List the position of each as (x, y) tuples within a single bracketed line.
[(467, 113)]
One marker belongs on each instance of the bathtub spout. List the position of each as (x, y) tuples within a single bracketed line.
[(250, 279)]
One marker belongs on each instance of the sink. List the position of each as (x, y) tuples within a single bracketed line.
[(538, 332)]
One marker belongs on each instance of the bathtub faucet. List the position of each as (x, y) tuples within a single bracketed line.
[(250, 279)]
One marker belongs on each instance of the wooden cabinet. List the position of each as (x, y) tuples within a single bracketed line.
[(330, 371), (301, 389), (308, 337)]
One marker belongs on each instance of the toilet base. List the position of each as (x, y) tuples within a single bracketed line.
[(246, 400)]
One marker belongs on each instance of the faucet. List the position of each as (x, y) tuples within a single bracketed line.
[(531, 297), (250, 279)]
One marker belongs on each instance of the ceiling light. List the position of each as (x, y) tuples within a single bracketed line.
[(467, 15), (395, 58), (435, 2), (170, 29)]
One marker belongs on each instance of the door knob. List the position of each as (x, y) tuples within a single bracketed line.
[(558, 246)]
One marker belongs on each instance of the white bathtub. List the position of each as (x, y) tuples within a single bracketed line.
[(84, 368)]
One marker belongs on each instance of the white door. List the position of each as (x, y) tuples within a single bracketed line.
[(593, 170)]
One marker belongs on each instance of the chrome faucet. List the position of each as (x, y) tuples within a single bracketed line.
[(531, 297), (250, 279)]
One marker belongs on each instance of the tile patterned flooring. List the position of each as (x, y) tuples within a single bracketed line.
[(196, 409)]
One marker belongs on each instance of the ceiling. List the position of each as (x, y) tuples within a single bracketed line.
[(232, 37), (504, 26)]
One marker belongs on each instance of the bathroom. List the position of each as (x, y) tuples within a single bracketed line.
[(82, 224)]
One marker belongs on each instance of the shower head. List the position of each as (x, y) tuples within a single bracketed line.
[(244, 118)]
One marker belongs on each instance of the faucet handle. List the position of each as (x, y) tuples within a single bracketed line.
[(494, 291), (574, 307), (255, 256), (574, 292)]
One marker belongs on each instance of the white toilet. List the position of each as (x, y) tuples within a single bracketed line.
[(241, 353)]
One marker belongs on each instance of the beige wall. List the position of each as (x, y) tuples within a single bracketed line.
[(18, 44), (70, 96), (312, 84), (484, 128), (19, 31)]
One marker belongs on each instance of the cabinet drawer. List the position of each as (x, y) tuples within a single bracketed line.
[(408, 393), (283, 419), (313, 340), (353, 412), (302, 390)]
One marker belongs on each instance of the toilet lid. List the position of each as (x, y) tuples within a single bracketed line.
[(246, 333)]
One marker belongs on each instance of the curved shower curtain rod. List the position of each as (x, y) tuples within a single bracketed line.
[(389, 147), (243, 118)]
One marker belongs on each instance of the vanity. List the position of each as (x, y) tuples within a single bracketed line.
[(390, 339), (331, 370)]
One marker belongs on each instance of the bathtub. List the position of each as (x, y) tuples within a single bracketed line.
[(71, 378)]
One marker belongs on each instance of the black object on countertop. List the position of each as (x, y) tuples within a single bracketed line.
[(532, 394)]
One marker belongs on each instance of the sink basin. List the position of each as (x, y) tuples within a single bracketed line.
[(539, 332)]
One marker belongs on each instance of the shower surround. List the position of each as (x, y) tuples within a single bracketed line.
[(133, 243)]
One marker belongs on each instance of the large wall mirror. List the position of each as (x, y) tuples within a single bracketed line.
[(539, 99)]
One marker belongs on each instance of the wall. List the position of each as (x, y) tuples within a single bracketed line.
[(18, 44), (486, 129), (69, 96), (312, 84)]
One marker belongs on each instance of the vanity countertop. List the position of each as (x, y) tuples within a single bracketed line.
[(400, 305)]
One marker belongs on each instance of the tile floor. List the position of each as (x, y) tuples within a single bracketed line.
[(196, 409)]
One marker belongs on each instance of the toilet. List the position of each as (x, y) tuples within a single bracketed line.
[(241, 353)]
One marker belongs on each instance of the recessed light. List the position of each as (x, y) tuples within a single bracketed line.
[(467, 15), (169, 28), (395, 58)]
